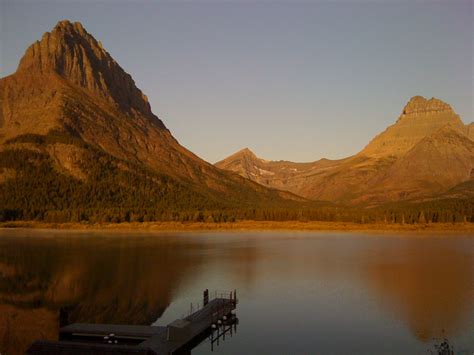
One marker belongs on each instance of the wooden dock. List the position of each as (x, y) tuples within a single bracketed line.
[(177, 337)]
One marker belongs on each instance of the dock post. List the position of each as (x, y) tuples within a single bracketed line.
[(206, 297), (63, 316)]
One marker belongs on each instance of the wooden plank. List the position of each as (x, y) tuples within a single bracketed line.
[(139, 331)]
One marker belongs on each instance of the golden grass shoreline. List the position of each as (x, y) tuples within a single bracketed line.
[(246, 226)]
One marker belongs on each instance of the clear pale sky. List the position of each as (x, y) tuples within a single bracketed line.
[(292, 80)]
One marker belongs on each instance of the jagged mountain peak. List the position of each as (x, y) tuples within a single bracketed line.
[(419, 104), (70, 51), (246, 151), (243, 154), (68, 25), (64, 39)]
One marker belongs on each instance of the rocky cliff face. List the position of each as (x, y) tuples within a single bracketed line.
[(70, 51), (427, 151)]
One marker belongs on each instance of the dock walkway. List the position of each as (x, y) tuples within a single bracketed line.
[(176, 337)]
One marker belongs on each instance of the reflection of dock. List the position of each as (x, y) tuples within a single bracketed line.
[(177, 337)]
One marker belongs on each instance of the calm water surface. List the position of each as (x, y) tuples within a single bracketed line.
[(300, 293)]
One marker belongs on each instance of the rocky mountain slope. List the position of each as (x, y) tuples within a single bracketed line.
[(75, 131), (426, 152), (420, 117), (470, 130)]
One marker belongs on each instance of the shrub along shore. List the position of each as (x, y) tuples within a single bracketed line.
[(248, 226)]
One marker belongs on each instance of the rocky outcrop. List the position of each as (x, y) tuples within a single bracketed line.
[(418, 104)]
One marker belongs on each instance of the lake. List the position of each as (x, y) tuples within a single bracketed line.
[(299, 292)]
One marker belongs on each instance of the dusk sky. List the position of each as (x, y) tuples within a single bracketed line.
[(290, 80)]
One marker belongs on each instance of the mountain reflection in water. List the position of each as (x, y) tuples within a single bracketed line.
[(430, 285), (107, 280), (423, 283)]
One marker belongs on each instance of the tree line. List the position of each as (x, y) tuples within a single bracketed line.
[(115, 194)]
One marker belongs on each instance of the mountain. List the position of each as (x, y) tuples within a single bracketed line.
[(77, 134), (427, 151), (438, 162), (420, 118)]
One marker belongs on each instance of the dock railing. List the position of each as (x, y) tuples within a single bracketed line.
[(223, 297)]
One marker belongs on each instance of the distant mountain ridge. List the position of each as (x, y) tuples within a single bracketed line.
[(426, 152)]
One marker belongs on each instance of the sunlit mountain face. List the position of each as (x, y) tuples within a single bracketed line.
[(426, 152)]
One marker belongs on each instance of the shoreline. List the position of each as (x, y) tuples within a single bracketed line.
[(244, 226)]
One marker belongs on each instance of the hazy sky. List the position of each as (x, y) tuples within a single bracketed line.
[(293, 80)]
